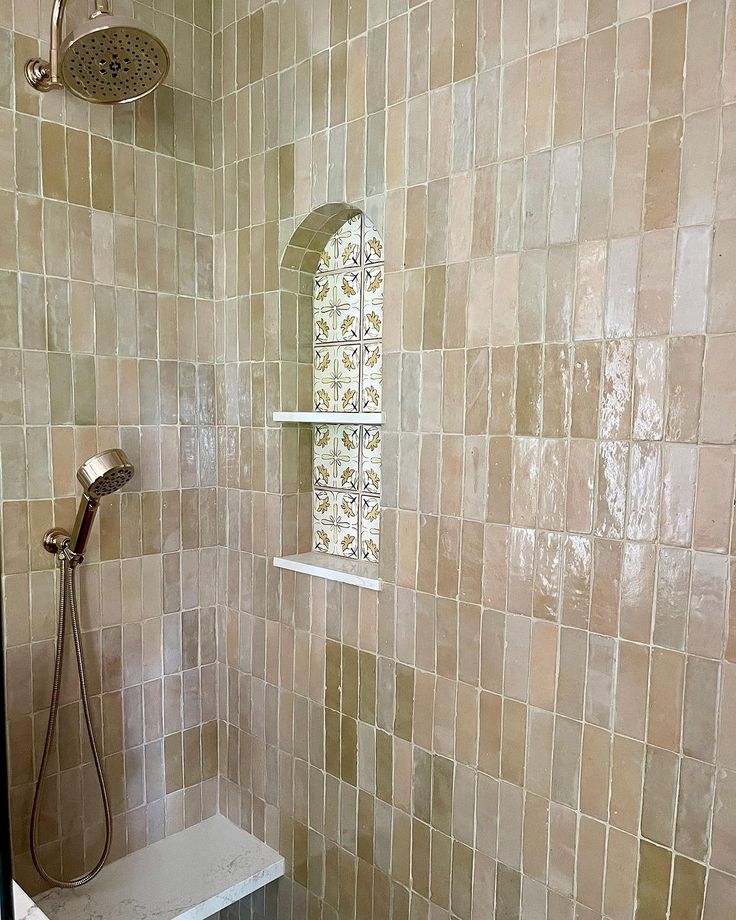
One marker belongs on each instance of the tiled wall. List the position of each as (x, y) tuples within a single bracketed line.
[(107, 337), (534, 718), (541, 700)]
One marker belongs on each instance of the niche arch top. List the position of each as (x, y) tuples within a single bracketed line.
[(306, 245), (334, 263)]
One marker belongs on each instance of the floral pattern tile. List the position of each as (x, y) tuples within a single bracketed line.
[(372, 244), (373, 302), (370, 518), (337, 312), (344, 248), (337, 378), (348, 370), (372, 376), (370, 462), (336, 516), (337, 457)]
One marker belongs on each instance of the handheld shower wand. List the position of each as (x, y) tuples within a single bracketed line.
[(101, 475)]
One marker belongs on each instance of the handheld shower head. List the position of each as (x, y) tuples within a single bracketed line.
[(108, 59), (105, 473), (100, 475)]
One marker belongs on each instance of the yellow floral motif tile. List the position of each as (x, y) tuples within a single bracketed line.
[(370, 517), (372, 244), (335, 528), (337, 378), (336, 457), (373, 302), (372, 377), (370, 461), (344, 248), (337, 313)]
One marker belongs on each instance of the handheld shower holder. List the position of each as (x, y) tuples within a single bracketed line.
[(100, 475), (57, 541)]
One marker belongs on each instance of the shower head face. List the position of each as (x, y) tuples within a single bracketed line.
[(111, 59), (106, 473)]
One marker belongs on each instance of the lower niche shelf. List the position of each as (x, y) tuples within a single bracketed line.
[(333, 568), (331, 418), (188, 876)]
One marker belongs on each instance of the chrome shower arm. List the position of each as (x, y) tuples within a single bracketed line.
[(44, 75), (57, 21)]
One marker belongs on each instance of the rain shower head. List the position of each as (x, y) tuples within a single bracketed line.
[(108, 59), (100, 475)]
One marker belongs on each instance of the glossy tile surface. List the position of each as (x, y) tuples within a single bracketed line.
[(540, 698), (530, 719), (108, 338)]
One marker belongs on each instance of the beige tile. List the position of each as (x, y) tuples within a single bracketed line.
[(718, 394), (668, 61), (688, 887), (663, 171), (558, 287), (653, 881)]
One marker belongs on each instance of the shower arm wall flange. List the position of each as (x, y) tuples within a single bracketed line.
[(44, 75)]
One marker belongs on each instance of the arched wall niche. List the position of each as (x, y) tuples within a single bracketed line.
[(298, 267), (327, 494)]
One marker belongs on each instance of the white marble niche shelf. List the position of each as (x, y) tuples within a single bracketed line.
[(323, 565), (330, 418), (333, 568), (188, 876)]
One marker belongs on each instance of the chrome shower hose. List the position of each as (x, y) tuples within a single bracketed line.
[(68, 599)]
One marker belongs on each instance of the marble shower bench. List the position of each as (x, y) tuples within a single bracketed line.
[(188, 876)]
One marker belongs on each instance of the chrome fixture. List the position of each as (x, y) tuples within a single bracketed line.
[(109, 59), (101, 475)]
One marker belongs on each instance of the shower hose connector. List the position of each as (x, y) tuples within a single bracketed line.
[(57, 541)]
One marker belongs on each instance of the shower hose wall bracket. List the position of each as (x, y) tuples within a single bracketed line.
[(55, 540)]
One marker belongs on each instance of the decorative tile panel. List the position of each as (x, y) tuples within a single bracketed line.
[(348, 377), (348, 307)]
